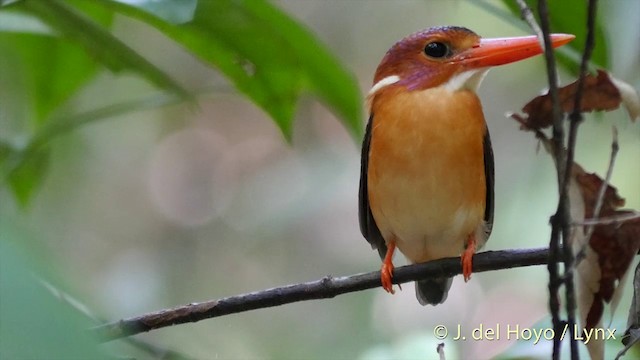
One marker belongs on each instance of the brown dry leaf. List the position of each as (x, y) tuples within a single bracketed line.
[(590, 185), (601, 93), (616, 246), (630, 98), (608, 254)]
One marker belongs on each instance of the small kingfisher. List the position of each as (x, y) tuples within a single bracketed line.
[(427, 174)]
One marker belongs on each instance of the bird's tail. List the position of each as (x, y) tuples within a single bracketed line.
[(433, 291)]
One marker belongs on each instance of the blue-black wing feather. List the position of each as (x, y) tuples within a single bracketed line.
[(368, 226), (489, 179)]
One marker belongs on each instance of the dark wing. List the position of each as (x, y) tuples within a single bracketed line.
[(368, 226), (489, 179)]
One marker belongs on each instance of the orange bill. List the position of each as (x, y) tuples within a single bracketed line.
[(500, 51)]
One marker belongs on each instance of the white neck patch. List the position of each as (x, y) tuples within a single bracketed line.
[(468, 80), (382, 83), (389, 80)]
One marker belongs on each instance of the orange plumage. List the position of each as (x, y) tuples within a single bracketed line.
[(426, 183), (447, 191)]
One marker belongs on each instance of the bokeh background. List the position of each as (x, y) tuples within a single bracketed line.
[(187, 203)]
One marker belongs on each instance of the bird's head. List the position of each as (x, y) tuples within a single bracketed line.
[(453, 57)]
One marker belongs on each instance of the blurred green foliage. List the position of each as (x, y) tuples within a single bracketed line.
[(35, 324), (267, 55), (52, 49)]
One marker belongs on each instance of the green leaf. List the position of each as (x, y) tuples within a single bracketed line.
[(570, 16), (74, 25), (43, 70), (69, 122), (43, 67), (27, 174), (35, 325), (267, 55), (38, 88), (15, 159), (5, 151)]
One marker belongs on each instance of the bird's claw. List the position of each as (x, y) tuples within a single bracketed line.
[(467, 258), (467, 267), (386, 276)]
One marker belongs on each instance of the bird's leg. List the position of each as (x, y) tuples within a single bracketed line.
[(386, 271), (467, 257)]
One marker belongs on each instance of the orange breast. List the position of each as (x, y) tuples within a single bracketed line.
[(426, 175)]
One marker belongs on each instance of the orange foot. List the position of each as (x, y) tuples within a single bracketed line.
[(386, 272), (467, 258)]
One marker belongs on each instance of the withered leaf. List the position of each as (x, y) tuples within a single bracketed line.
[(608, 253), (590, 185), (600, 93), (614, 245)]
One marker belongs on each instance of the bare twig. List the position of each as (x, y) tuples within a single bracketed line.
[(559, 155), (527, 15), (633, 339), (552, 78), (632, 334), (563, 158), (564, 204), (600, 199), (610, 220), (603, 188), (58, 126), (576, 114), (327, 287), (440, 351), (540, 135)]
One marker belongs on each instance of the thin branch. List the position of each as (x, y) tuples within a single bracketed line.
[(600, 199), (632, 334), (327, 287), (615, 147), (540, 135), (440, 351), (552, 78), (559, 156), (61, 125), (576, 114), (575, 121), (610, 220), (628, 346), (527, 15)]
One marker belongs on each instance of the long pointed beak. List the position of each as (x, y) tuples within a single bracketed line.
[(500, 51)]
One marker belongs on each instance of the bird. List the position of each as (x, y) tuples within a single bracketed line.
[(427, 168)]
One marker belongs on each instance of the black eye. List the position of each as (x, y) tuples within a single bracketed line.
[(436, 49)]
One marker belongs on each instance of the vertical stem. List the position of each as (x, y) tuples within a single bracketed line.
[(561, 220), (559, 155), (575, 121)]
